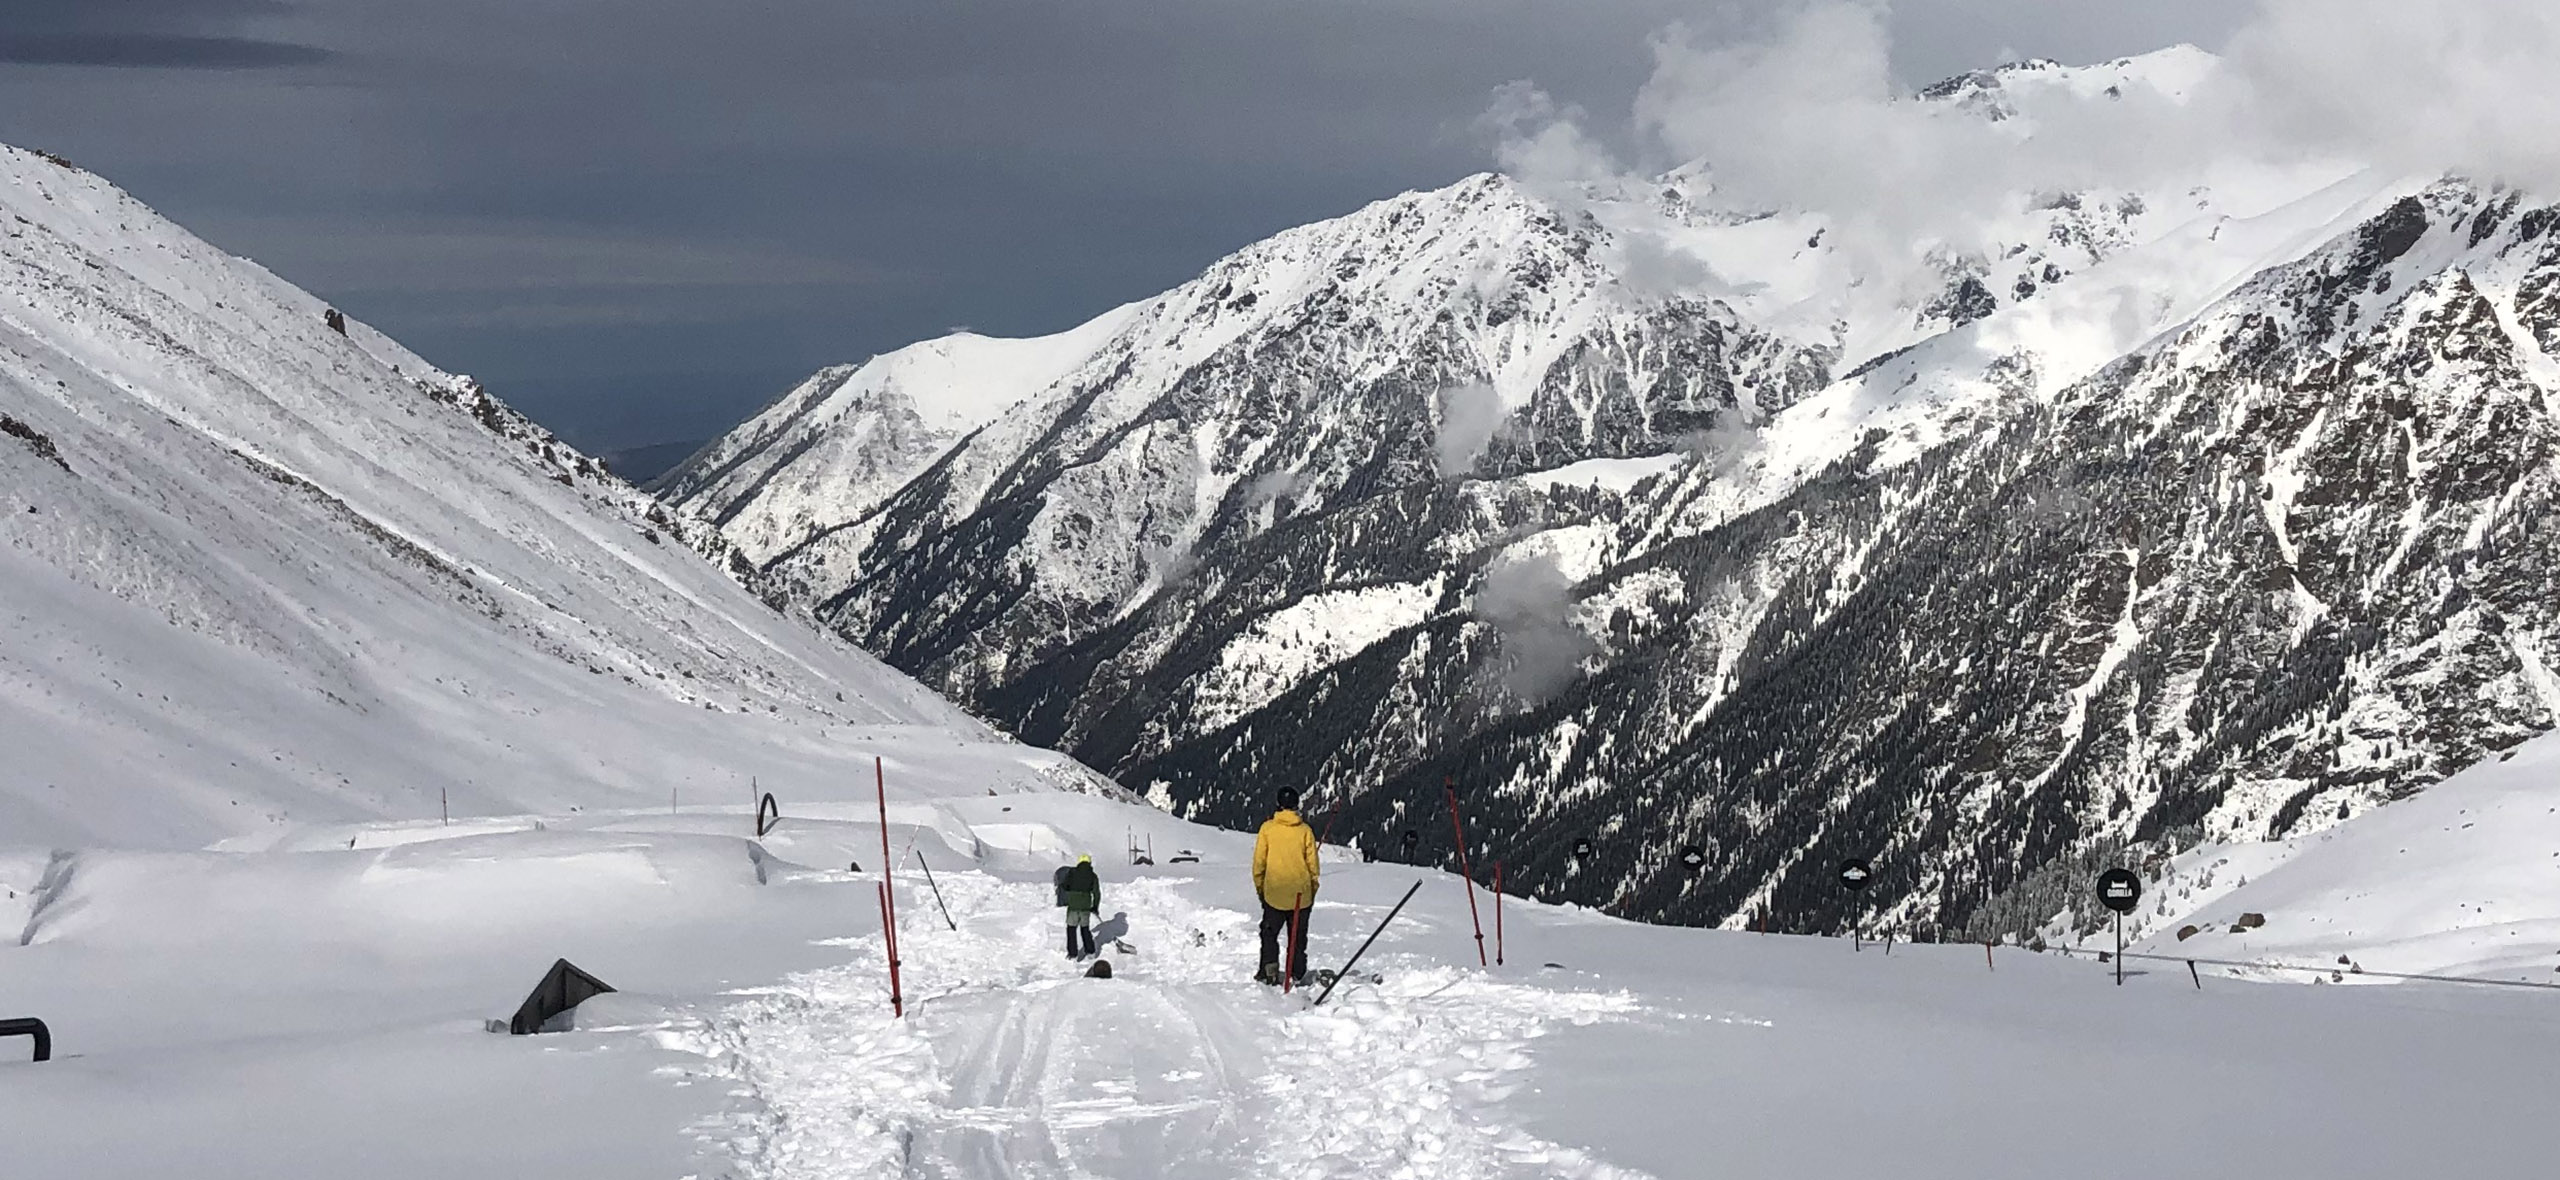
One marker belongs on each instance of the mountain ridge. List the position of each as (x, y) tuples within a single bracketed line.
[(1612, 557)]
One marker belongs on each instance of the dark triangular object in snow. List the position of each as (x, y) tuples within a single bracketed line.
[(562, 988)]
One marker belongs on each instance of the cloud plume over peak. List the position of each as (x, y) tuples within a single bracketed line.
[(1799, 109)]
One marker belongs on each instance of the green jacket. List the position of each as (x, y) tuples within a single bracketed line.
[(1080, 889)]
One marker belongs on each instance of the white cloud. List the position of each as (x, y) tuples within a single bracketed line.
[(2469, 86), (1800, 109), (1469, 416), (1529, 603)]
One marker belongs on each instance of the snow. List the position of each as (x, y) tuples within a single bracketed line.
[(281, 576), (848, 436), (289, 592), (1575, 552), (1282, 648), (2136, 296), (964, 380), (2458, 880), (309, 1005), (1616, 475)]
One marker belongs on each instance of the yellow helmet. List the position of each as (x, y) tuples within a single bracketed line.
[(1084, 860)]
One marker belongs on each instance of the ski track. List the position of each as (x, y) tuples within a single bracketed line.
[(1010, 1065)]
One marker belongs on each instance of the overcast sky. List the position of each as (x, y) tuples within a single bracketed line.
[(639, 220)]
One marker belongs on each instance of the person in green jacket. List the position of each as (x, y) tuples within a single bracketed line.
[(1285, 871), (1080, 893)]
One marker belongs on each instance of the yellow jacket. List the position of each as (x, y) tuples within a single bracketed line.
[(1285, 865)]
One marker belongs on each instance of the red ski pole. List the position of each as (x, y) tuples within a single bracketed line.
[(1450, 783), (888, 888)]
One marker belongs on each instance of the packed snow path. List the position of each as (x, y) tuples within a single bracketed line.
[(1012, 1064)]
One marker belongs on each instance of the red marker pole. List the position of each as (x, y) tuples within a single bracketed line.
[(889, 939), (1497, 913), (888, 889), (1450, 783)]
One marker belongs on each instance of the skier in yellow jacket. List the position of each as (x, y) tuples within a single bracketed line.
[(1285, 871)]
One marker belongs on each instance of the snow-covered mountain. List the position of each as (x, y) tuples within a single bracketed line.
[(849, 436), (264, 564), (2219, 509), (274, 580)]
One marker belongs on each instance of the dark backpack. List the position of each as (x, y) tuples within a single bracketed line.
[(1079, 888)]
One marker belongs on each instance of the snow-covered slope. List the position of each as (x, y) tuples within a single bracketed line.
[(260, 568), (2463, 879), (844, 439)]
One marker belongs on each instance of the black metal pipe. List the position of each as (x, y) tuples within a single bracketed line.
[(1364, 945), (29, 1026), (937, 892)]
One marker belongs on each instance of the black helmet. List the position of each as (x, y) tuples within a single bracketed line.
[(1287, 799)]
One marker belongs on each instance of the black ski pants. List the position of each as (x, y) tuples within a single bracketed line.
[(1080, 939), (1275, 920)]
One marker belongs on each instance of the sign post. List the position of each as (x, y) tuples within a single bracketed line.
[(2119, 890), (1855, 874)]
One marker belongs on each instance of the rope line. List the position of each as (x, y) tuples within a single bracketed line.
[(2347, 970)]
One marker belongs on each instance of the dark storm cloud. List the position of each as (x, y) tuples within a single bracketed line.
[(155, 34), (639, 218)]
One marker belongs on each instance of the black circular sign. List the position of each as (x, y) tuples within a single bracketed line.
[(1694, 857), (2119, 890), (1582, 849), (1855, 873)]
